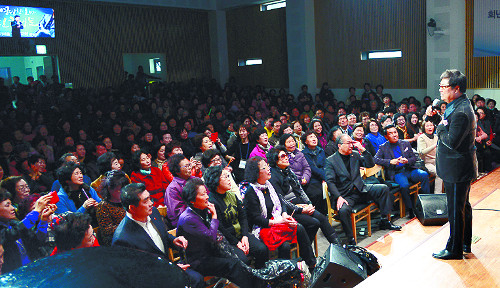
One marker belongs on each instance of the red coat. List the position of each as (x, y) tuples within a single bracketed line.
[(156, 183)]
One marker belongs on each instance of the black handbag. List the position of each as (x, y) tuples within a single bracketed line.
[(369, 260)]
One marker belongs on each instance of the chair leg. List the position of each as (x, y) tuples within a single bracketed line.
[(369, 221), (353, 223), (402, 212), (316, 245)]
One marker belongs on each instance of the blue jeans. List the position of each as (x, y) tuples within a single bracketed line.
[(415, 175)]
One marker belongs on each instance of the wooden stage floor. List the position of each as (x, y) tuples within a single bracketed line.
[(406, 255)]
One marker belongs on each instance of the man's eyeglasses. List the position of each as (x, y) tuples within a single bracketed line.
[(444, 86)]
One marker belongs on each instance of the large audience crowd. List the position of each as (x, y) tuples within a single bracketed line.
[(244, 162)]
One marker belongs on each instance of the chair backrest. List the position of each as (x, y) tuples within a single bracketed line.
[(326, 195)]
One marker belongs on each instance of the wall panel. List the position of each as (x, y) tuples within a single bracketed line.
[(91, 38), (344, 28), (255, 34), (481, 72)]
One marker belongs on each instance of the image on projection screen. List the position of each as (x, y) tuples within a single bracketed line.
[(486, 27), (26, 22)]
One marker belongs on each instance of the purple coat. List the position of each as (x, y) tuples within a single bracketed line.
[(299, 165), (173, 199)]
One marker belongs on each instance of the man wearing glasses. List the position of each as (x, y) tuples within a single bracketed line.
[(456, 161), (347, 188)]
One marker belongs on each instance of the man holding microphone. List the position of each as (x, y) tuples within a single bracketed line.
[(456, 161)]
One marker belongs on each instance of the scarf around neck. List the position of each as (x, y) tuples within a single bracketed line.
[(276, 211)]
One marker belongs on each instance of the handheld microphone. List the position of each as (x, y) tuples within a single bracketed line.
[(435, 102)]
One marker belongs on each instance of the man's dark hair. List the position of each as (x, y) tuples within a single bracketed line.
[(212, 178), (62, 159), (32, 159), (303, 138), (272, 155), (190, 190), (104, 162), (171, 146), (386, 129), (456, 78), (256, 134), (71, 230), (480, 98), (379, 85), (283, 127), (174, 164), (130, 194), (111, 181), (4, 195), (252, 169), (208, 155)]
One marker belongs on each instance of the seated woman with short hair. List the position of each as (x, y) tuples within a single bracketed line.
[(232, 217), (73, 231), (268, 216)]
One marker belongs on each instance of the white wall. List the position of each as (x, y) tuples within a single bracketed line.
[(445, 51)]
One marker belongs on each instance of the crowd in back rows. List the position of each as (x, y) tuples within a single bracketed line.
[(65, 140)]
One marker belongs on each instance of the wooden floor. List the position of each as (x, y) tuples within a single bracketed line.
[(406, 256)]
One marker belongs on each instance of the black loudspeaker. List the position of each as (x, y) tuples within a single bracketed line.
[(339, 267), (432, 209)]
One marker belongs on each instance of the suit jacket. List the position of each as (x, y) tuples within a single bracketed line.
[(385, 155), (340, 181), (132, 235), (456, 154)]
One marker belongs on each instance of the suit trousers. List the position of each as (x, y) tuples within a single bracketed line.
[(379, 193), (459, 216)]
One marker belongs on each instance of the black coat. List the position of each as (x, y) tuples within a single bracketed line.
[(456, 154), (340, 181), (132, 235)]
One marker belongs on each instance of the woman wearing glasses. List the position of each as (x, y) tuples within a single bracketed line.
[(287, 186), (181, 168), (268, 215)]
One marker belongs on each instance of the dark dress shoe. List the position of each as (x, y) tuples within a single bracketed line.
[(387, 225), (446, 255), (467, 249)]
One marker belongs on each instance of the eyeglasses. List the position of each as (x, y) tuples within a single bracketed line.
[(24, 188), (283, 156), (444, 86)]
